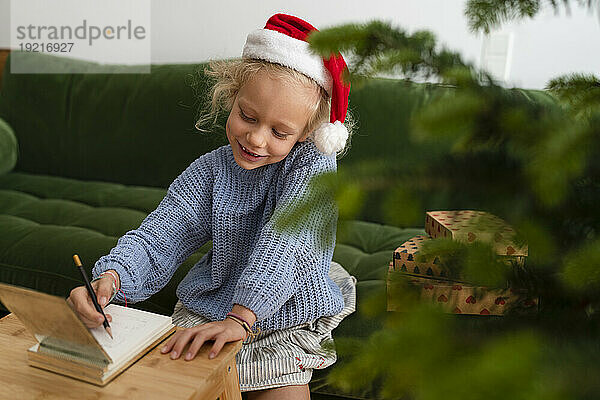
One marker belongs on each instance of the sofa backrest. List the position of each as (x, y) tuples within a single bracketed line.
[(127, 128)]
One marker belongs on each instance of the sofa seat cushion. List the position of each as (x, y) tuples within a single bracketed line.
[(365, 249)]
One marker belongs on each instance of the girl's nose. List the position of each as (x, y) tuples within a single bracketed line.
[(256, 138)]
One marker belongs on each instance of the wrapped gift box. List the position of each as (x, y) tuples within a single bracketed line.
[(467, 226), (405, 260), (457, 297), (435, 282)]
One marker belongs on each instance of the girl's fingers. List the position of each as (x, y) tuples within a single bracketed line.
[(96, 317), (82, 303), (195, 346), (169, 345), (219, 343), (99, 321), (174, 339), (181, 341), (103, 289), (198, 335), (86, 322)]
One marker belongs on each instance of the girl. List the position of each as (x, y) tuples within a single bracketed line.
[(278, 291)]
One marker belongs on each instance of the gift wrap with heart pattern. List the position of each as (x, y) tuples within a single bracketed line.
[(435, 282)]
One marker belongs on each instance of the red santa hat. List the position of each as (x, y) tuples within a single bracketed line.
[(284, 41)]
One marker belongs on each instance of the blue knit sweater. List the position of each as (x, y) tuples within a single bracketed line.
[(281, 276)]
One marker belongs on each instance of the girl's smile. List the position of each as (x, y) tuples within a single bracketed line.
[(248, 155)]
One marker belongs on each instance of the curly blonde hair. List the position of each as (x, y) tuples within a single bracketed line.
[(230, 75)]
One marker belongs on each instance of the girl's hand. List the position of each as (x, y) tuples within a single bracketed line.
[(81, 302), (219, 331)]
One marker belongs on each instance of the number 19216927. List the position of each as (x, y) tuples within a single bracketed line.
[(41, 47)]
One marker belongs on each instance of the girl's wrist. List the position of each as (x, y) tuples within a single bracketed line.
[(244, 325), (244, 313), (240, 326), (114, 276)]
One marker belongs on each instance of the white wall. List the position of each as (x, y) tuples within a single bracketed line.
[(192, 31), (552, 45)]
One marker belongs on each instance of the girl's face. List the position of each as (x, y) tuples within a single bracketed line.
[(267, 118)]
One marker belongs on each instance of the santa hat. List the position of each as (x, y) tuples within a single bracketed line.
[(284, 41)]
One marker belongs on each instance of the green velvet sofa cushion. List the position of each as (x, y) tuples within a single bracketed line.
[(8, 147)]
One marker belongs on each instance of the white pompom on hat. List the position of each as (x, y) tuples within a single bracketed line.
[(284, 41)]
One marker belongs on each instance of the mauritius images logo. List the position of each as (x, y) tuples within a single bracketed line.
[(85, 31)]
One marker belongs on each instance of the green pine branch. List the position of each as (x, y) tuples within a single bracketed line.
[(532, 158), (486, 15)]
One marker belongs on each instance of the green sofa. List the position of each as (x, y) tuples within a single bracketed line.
[(95, 153)]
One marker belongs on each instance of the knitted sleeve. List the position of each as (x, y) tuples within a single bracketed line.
[(146, 258), (281, 260)]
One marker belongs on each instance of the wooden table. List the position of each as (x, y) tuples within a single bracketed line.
[(155, 376)]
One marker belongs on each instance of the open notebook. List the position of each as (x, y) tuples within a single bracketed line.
[(66, 346)]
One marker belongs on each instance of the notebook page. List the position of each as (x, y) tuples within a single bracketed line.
[(132, 331)]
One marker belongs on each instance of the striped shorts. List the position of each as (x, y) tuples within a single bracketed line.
[(288, 356)]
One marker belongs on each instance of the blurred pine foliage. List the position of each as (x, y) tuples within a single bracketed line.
[(535, 163)]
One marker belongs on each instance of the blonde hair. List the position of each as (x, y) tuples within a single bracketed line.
[(230, 75)]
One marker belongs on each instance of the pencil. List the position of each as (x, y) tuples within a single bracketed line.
[(92, 294)]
